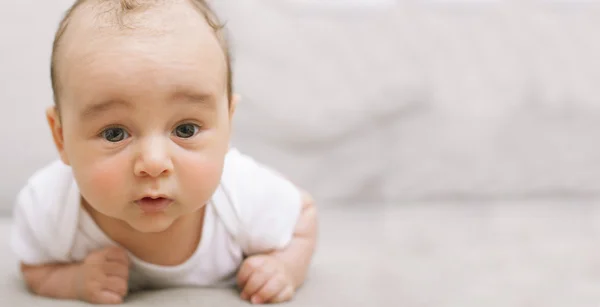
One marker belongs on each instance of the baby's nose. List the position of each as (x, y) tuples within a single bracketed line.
[(154, 160)]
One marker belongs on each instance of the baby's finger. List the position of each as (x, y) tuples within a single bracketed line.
[(117, 254), (116, 269), (256, 281), (116, 285), (270, 289), (106, 297), (285, 295), (248, 267)]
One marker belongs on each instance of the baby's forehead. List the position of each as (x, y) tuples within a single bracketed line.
[(174, 42), (102, 31), (96, 28)]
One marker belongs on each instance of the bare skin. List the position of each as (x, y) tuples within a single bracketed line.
[(100, 279)]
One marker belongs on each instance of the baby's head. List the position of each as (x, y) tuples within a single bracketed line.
[(143, 106)]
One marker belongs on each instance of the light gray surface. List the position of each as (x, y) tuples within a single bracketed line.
[(518, 254), (418, 101)]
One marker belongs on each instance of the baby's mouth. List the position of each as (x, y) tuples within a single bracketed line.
[(153, 205)]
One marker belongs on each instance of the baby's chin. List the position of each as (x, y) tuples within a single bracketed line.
[(155, 223)]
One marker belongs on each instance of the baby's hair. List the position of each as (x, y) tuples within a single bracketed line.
[(122, 9), (128, 4)]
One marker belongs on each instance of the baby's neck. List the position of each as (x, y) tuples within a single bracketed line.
[(157, 248)]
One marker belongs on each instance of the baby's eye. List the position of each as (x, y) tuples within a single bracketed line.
[(185, 131), (115, 134)]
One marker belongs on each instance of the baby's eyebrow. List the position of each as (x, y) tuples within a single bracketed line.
[(204, 99), (96, 109), (180, 96)]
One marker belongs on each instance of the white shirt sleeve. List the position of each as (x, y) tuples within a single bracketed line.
[(267, 204), (25, 241), (45, 217)]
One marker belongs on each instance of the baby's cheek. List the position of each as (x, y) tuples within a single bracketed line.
[(104, 184), (201, 176), (107, 179)]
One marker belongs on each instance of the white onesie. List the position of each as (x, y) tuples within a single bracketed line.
[(253, 210)]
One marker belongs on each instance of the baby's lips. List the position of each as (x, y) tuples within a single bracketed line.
[(152, 205)]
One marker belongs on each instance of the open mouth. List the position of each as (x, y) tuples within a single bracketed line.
[(152, 205)]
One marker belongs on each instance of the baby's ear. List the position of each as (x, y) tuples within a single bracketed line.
[(235, 98), (53, 119)]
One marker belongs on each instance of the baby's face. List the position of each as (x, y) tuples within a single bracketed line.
[(143, 116)]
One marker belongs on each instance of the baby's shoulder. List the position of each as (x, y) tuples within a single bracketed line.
[(48, 194), (259, 204), (245, 173), (45, 215), (48, 186)]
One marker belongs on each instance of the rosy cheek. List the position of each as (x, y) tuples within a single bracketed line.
[(201, 174), (104, 181), (106, 178)]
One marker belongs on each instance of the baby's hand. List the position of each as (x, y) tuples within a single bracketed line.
[(103, 276), (264, 279)]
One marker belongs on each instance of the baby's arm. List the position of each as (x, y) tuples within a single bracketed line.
[(52, 280), (299, 252), (274, 277), (100, 279)]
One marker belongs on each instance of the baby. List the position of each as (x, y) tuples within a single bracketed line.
[(148, 193)]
